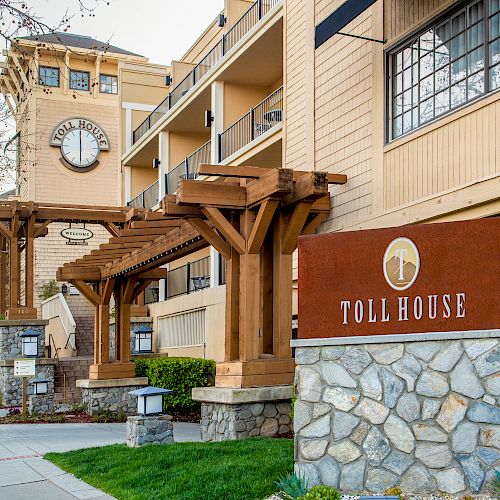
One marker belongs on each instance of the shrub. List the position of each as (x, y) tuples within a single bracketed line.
[(321, 492), (178, 374), (49, 289), (292, 486)]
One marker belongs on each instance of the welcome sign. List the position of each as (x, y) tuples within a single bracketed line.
[(412, 279)]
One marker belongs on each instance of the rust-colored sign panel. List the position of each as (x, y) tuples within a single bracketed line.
[(410, 279)]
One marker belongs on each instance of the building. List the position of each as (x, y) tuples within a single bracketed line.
[(65, 90), (272, 84)]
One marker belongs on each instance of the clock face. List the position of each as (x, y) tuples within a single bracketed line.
[(80, 148)]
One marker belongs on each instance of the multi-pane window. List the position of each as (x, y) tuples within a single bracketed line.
[(452, 63), (48, 77), (108, 84), (79, 80)]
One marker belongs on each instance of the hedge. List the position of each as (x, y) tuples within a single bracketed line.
[(180, 375)]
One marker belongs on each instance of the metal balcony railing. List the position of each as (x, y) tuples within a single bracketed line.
[(188, 278), (188, 168), (147, 199), (246, 22), (256, 122)]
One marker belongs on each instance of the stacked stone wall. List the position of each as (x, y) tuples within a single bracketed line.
[(221, 422), (157, 429), (422, 416), (115, 399)]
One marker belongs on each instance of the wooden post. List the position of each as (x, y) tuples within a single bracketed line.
[(14, 273), (232, 307), (25, 390), (266, 283), (29, 256), (250, 330), (282, 292), (97, 335), (3, 274)]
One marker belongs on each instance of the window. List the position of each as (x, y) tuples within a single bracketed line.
[(452, 63), (108, 84), (79, 80), (48, 77)]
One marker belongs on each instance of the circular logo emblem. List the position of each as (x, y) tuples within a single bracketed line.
[(401, 263)]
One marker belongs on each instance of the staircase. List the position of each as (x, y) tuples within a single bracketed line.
[(67, 372)]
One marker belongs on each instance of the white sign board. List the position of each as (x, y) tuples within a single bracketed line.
[(24, 367)]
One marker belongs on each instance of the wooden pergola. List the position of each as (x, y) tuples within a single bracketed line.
[(21, 223), (253, 216)]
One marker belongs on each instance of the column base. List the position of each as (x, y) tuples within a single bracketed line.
[(21, 313), (111, 394), (228, 414), (255, 373), (107, 371)]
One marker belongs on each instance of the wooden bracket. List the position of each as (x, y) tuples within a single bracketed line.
[(295, 226), (227, 230), (87, 291), (264, 217), (211, 236)]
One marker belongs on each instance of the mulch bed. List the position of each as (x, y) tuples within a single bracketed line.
[(193, 417), (59, 418)]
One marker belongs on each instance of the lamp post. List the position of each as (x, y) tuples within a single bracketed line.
[(144, 339), (150, 400), (30, 343)]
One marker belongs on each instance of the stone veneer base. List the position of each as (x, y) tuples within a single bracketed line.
[(228, 414), (111, 394), (419, 415), (153, 429)]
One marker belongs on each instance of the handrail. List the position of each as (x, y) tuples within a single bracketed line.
[(56, 352), (147, 198), (56, 306), (188, 168), (261, 118), (245, 23)]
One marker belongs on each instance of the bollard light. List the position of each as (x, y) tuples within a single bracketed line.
[(30, 343), (150, 400), (40, 385), (144, 339)]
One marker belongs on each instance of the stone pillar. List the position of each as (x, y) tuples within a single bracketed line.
[(11, 349), (111, 394), (41, 403), (240, 413), (154, 429), (418, 414)]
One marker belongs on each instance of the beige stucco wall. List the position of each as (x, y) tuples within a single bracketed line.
[(210, 299)]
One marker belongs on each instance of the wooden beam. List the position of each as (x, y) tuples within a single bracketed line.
[(310, 227), (40, 228), (150, 231), (87, 291), (79, 215), (261, 225), (146, 224), (120, 246), (276, 183), (211, 236), (133, 239), (233, 171), (112, 229), (295, 226), (5, 231), (224, 227), (71, 273), (211, 193), (154, 274), (140, 287), (19, 68), (310, 186)]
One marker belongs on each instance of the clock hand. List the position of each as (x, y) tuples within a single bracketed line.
[(80, 147)]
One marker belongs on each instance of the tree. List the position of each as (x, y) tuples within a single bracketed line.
[(17, 19)]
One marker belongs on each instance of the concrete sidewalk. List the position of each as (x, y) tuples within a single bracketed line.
[(25, 475)]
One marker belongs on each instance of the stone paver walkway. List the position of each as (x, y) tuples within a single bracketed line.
[(25, 475)]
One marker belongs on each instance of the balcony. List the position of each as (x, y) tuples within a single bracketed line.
[(188, 168), (147, 199), (251, 18), (259, 120)]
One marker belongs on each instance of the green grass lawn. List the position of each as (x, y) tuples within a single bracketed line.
[(243, 469)]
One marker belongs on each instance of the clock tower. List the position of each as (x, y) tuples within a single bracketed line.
[(64, 92)]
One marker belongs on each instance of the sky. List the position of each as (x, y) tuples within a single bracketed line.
[(161, 30)]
